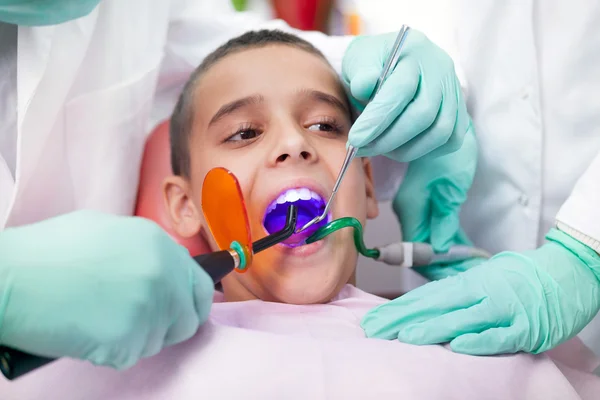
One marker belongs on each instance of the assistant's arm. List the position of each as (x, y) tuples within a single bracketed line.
[(530, 301)]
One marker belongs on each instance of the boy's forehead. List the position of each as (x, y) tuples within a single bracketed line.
[(271, 71)]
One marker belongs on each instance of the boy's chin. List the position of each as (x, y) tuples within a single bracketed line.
[(309, 287), (304, 296)]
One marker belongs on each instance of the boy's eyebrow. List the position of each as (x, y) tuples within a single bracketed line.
[(326, 98), (235, 105)]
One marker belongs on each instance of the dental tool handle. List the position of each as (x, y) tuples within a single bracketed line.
[(16, 363), (415, 254), (406, 254), (391, 61), (218, 264), (459, 253)]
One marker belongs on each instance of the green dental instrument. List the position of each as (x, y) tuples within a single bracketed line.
[(399, 254)]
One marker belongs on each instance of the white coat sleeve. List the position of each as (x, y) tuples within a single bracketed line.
[(580, 215), (197, 27)]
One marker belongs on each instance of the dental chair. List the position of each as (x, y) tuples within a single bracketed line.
[(156, 166)]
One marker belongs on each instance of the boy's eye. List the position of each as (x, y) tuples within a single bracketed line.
[(323, 127), (246, 134)]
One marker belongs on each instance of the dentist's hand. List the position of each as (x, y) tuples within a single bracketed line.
[(419, 115), (429, 200), (530, 301), (419, 109), (98, 287)]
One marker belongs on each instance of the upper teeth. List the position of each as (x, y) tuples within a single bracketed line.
[(292, 195)]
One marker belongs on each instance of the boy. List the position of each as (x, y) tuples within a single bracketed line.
[(269, 107)]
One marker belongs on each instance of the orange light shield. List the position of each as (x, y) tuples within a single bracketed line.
[(225, 210)]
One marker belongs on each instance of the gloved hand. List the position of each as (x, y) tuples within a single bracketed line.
[(419, 109), (530, 301), (98, 287), (429, 200)]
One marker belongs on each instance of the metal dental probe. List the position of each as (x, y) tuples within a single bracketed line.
[(389, 66)]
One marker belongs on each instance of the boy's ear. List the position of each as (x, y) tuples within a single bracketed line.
[(185, 217), (372, 204)]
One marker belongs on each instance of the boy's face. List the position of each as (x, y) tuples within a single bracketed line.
[(277, 118)]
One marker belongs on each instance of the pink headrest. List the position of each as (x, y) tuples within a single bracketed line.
[(156, 166)]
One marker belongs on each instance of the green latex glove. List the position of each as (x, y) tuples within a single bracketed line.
[(98, 287), (419, 109), (429, 199), (44, 12), (530, 302)]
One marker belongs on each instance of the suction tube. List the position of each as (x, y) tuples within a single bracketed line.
[(400, 254), (346, 222)]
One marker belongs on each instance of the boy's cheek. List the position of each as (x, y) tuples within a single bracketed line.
[(211, 242), (353, 199)]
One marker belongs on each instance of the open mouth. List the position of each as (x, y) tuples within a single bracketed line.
[(310, 205)]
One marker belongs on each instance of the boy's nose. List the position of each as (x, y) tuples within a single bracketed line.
[(304, 155), (294, 147)]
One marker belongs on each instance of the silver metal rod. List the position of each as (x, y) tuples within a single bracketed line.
[(392, 60), (388, 68), (347, 161)]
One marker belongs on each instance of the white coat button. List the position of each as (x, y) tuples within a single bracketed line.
[(526, 92), (523, 200)]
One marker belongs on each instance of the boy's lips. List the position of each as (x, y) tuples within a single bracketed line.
[(302, 250), (310, 200)]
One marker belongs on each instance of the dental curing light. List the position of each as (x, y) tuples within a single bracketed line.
[(225, 212)]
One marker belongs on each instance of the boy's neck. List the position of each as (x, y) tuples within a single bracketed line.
[(237, 292)]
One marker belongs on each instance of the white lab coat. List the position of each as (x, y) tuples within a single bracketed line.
[(532, 74), (90, 90)]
